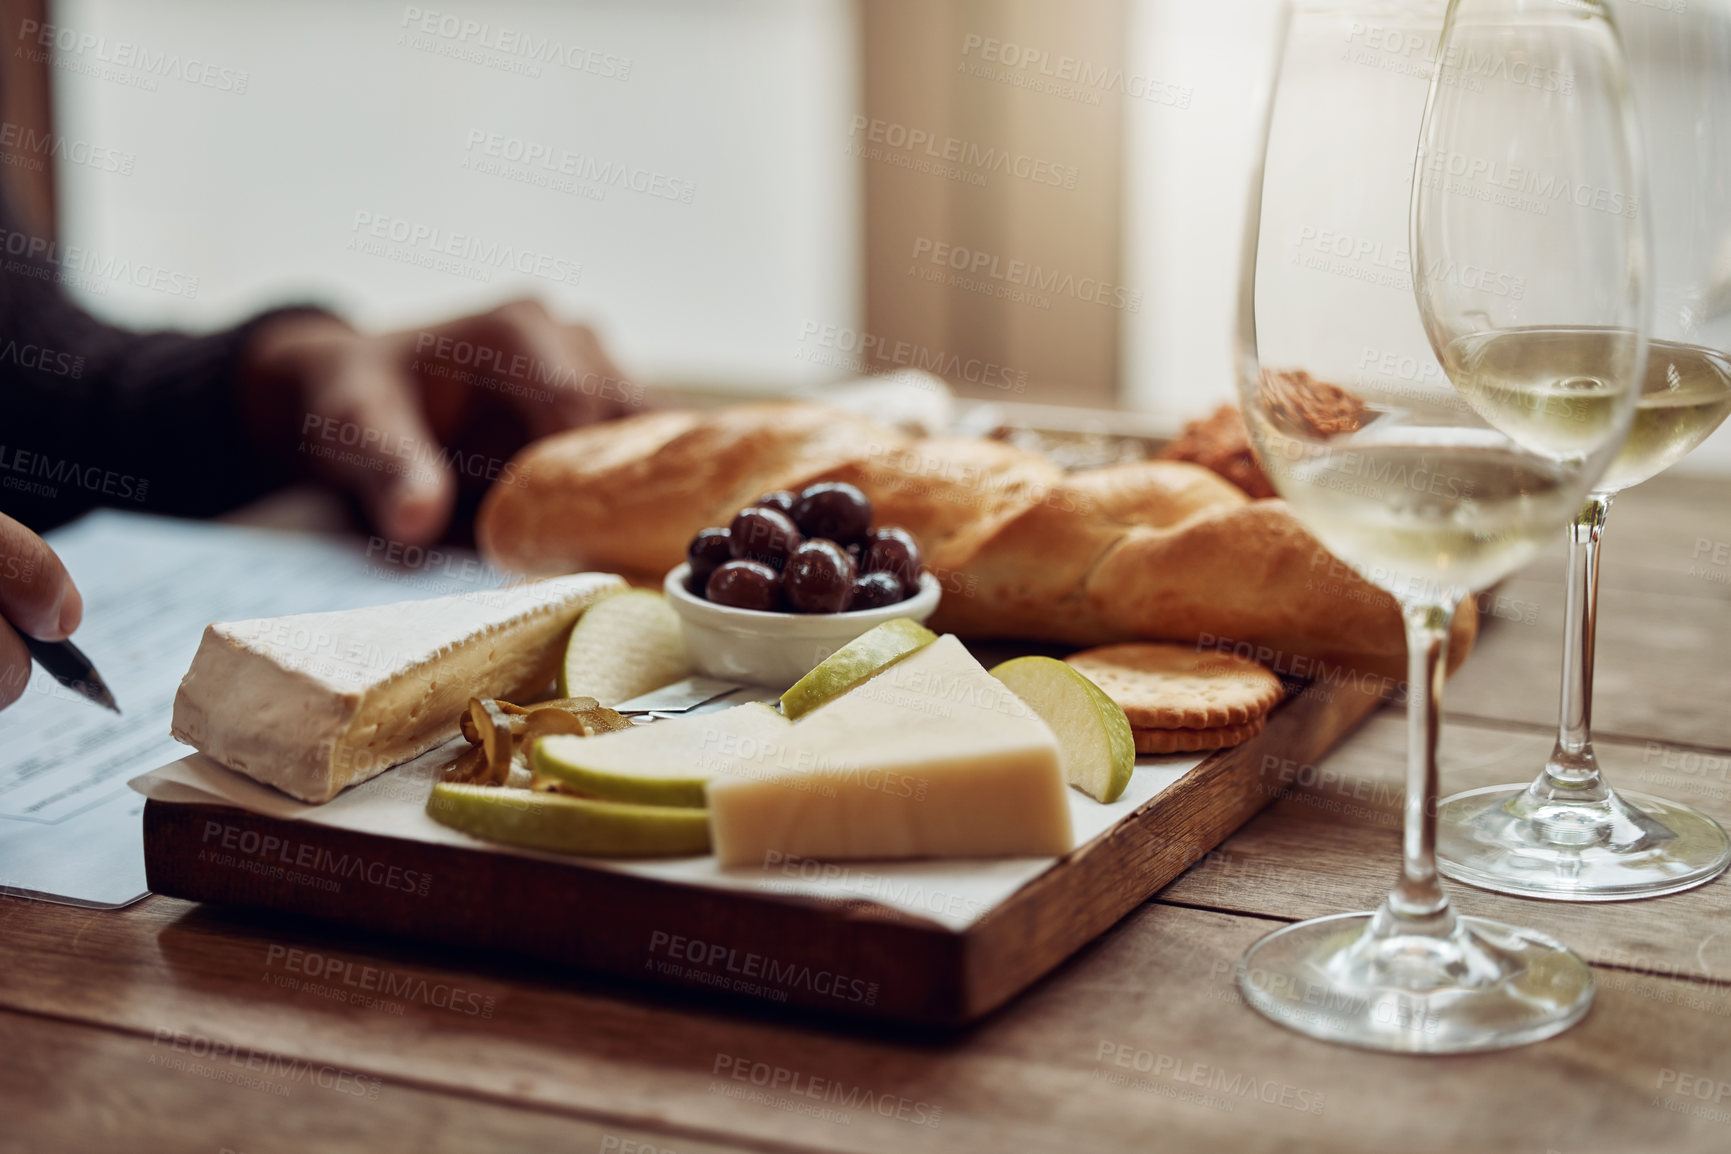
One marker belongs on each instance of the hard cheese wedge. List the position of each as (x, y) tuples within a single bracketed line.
[(318, 701), (933, 757), (667, 763)]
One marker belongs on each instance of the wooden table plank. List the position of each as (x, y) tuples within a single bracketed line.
[(1661, 665), (1664, 624), (71, 1087), (1663, 537), (1332, 844), (1057, 1070), (1672, 534)]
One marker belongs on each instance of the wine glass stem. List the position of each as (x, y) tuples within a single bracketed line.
[(1418, 898), (1572, 767)]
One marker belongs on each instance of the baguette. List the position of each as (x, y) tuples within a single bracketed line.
[(1147, 550), (628, 494)]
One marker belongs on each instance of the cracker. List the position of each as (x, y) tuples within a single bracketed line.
[(1179, 686), (1194, 740)]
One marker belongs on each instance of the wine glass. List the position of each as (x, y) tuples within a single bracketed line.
[(1364, 381), (1568, 835)]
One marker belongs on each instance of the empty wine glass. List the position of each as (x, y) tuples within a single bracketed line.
[(1346, 388), (1568, 835)]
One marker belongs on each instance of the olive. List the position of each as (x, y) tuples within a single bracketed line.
[(780, 500), (835, 511), (765, 535), (893, 550), (744, 585), (710, 548), (819, 578), (874, 591)]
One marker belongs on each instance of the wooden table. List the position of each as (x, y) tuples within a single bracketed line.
[(173, 1027)]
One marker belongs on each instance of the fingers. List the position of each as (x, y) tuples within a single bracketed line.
[(551, 402), (524, 328), (385, 402), (14, 665), (36, 593), (601, 381), (553, 376), (375, 439)]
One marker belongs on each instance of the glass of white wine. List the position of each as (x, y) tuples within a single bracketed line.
[(1568, 835), (1350, 393)]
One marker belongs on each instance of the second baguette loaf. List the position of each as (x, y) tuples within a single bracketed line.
[(1150, 550)]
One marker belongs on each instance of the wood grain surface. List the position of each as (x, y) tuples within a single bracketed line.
[(1138, 1043)]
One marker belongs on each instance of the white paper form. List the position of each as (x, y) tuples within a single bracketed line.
[(70, 830)]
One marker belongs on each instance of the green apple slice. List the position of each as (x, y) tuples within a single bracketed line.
[(1095, 745), (622, 647), (550, 821), (667, 763), (863, 658)]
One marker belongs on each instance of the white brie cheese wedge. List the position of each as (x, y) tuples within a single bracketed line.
[(932, 757), (318, 701)]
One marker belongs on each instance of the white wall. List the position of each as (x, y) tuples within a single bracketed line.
[(1187, 177), (256, 193)]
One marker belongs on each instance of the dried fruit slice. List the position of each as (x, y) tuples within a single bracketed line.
[(519, 714), (471, 767), (493, 726)]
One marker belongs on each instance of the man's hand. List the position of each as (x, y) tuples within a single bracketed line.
[(406, 419), (36, 597)]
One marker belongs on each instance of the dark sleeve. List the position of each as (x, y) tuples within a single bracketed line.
[(92, 414)]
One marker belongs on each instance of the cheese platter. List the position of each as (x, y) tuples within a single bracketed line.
[(939, 945)]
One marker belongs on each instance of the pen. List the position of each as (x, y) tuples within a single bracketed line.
[(66, 663)]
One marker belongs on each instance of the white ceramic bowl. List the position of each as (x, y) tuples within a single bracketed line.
[(776, 649)]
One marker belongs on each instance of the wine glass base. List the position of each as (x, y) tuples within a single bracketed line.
[(1486, 838), (1484, 986)]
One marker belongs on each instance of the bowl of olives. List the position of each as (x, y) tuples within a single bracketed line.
[(792, 578)]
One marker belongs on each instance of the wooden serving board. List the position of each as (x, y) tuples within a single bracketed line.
[(854, 957)]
